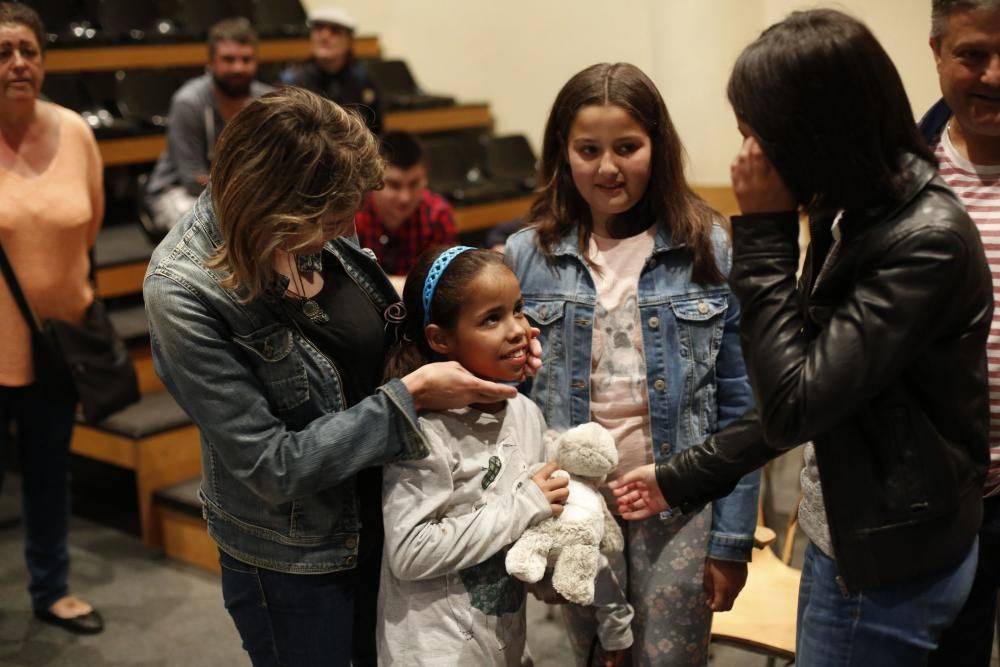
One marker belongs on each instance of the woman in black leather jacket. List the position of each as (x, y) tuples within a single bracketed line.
[(877, 357)]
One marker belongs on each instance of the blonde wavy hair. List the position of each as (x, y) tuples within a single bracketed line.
[(288, 169)]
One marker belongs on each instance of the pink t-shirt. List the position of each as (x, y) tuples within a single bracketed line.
[(47, 224), (978, 187), (618, 399)]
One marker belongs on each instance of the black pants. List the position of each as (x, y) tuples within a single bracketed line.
[(305, 620)]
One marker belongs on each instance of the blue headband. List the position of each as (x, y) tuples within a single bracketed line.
[(434, 275)]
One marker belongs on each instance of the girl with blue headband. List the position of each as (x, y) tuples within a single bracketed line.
[(445, 596)]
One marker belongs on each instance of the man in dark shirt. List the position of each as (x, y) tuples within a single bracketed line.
[(332, 71), (404, 218)]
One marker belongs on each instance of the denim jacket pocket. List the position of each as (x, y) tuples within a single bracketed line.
[(278, 365), (547, 315), (700, 323)]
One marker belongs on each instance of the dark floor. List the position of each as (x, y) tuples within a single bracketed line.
[(161, 613)]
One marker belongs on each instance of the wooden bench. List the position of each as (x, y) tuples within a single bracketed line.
[(185, 534), (155, 439)]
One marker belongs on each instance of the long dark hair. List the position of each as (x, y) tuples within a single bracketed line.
[(829, 109), (413, 351), (668, 197)]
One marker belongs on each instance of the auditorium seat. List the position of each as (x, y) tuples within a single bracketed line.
[(511, 159), (280, 18), (399, 90), (456, 169), (66, 23), (129, 21)]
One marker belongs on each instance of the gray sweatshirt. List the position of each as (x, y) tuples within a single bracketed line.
[(445, 597)]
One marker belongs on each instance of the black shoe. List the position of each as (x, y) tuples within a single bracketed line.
[(86, 624)]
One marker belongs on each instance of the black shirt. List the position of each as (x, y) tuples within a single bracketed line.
[(355, 340)]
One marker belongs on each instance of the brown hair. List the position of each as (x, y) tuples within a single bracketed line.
[(668, 198), (15, 12), (237, 29), (413, 351), (283, 165)]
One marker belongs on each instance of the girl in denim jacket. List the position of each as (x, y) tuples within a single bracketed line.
[(624, 271)]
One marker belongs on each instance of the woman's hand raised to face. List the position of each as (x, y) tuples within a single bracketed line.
[(757, 185)]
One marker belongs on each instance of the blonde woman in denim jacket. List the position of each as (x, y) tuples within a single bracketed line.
[(623, 271), (270, 326)]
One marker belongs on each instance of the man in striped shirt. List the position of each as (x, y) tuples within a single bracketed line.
[(964, 130)]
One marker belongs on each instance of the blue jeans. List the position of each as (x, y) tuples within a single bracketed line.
[(305, 620), (44, 428), (892, 627), (969, 641)]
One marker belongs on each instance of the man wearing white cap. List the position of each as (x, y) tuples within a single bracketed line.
[(332, 71)]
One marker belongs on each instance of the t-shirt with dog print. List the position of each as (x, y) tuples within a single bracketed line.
[(618, 398)]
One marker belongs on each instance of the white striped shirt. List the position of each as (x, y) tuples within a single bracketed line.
[(978, 187)]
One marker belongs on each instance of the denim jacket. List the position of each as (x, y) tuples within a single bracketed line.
[(279, 452), (696, 379)]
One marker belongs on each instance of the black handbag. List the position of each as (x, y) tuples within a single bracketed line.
[(85, 362)]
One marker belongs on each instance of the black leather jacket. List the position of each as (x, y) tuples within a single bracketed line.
[(879, 358)]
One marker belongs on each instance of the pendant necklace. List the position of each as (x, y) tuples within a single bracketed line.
[(310, 308)]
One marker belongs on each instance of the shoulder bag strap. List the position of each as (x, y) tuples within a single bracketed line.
[(15, 290)]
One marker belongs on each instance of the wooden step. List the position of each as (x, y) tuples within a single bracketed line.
[(440, 119), (185, 533), (484, 216), (121, 255), (155, 439), (147, 148), (182, 55), (142, 359), (130, 324)]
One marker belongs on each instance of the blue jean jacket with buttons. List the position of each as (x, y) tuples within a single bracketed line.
[(280, 453), (696, 379)]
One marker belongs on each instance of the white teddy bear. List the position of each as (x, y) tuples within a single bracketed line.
[(571, 543)]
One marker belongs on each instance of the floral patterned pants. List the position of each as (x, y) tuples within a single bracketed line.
[(663, 565)]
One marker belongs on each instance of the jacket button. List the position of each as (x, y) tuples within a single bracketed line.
[(543, 311), (702, 307), (659, 385), (349, 560), (268, 349), (351, 542), (654, 323), (665, 448)]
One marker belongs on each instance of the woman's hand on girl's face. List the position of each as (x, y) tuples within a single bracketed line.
[(445, 385), (534, 353), (757, 185)]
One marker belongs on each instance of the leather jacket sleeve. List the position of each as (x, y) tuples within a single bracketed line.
[(808, 379)]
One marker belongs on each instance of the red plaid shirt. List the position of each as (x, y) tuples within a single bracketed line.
[(433, 223)]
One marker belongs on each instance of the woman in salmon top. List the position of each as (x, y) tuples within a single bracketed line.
[(52, 202)]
